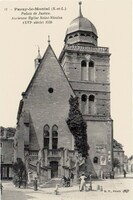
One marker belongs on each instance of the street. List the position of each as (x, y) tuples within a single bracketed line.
[(114, 189)]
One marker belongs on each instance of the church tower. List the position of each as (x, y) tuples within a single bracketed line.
[(87, 67)]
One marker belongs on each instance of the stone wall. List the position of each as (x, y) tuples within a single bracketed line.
[(100, 141), (46, 107), (7, 150)]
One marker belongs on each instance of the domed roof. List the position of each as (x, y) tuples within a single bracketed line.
[(81, 24)]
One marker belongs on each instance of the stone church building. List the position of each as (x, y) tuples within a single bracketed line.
[(43, 139)]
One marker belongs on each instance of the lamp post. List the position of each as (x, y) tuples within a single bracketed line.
[(90, 183)]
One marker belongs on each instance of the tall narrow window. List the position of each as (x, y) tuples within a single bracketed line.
[(95, 160), (91, 71), (91, 104), (46, 136), (84, 103), (84, 74), (2, 158), (54, 137)]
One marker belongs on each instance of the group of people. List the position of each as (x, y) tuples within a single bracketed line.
[(82, 180), (67, 181)]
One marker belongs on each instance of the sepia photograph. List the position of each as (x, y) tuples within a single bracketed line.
[(66, 100)]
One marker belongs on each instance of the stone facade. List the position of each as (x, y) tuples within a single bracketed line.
[(119, 154), (6, 152), (99, 123), (42, 136), (87, 67), (130, 164), (45, 107)]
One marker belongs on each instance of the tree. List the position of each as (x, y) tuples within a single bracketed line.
[(1, 131), (117, 145), (19, 170), (78, 127), (11, 129), (10, 132), (116, 163)]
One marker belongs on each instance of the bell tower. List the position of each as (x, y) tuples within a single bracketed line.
[(81, 31), (87, 67)]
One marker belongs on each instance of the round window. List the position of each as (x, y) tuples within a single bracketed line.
[(50, 90)]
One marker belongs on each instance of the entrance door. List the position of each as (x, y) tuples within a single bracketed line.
[(54, 169), (5, 172)]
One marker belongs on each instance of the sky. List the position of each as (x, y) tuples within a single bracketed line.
[(19, 43)]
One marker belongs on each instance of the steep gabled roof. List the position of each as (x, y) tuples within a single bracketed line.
[(49, 48)]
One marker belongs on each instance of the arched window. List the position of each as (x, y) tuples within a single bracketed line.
[(84, 103), (82, 34), (91, 71), (70, 37), (75, 35), (84, 75), (91, 104), (54, 137), (95, 160), (88, 34), (46, 136)]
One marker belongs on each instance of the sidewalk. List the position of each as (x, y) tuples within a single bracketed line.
[(112, 190)]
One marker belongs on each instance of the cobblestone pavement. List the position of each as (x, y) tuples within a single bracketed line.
[(112, 190)]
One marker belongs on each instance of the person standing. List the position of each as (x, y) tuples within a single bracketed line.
[(1, 187), (124, 172), (82, 182), (35, 184), (72, 176), (68, 182), (57, 189)]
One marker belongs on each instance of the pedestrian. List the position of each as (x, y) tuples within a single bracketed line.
[(68, 182), (19, 183), (25, 183), (82, 182), (112, 174), (57, 189), (35, 184), (64, 181), (1, 187), (72, 176), (124, 173)]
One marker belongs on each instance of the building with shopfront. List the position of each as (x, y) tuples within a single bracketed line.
[(6, 152)]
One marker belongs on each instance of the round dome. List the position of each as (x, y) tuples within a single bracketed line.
[(81, 24)]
